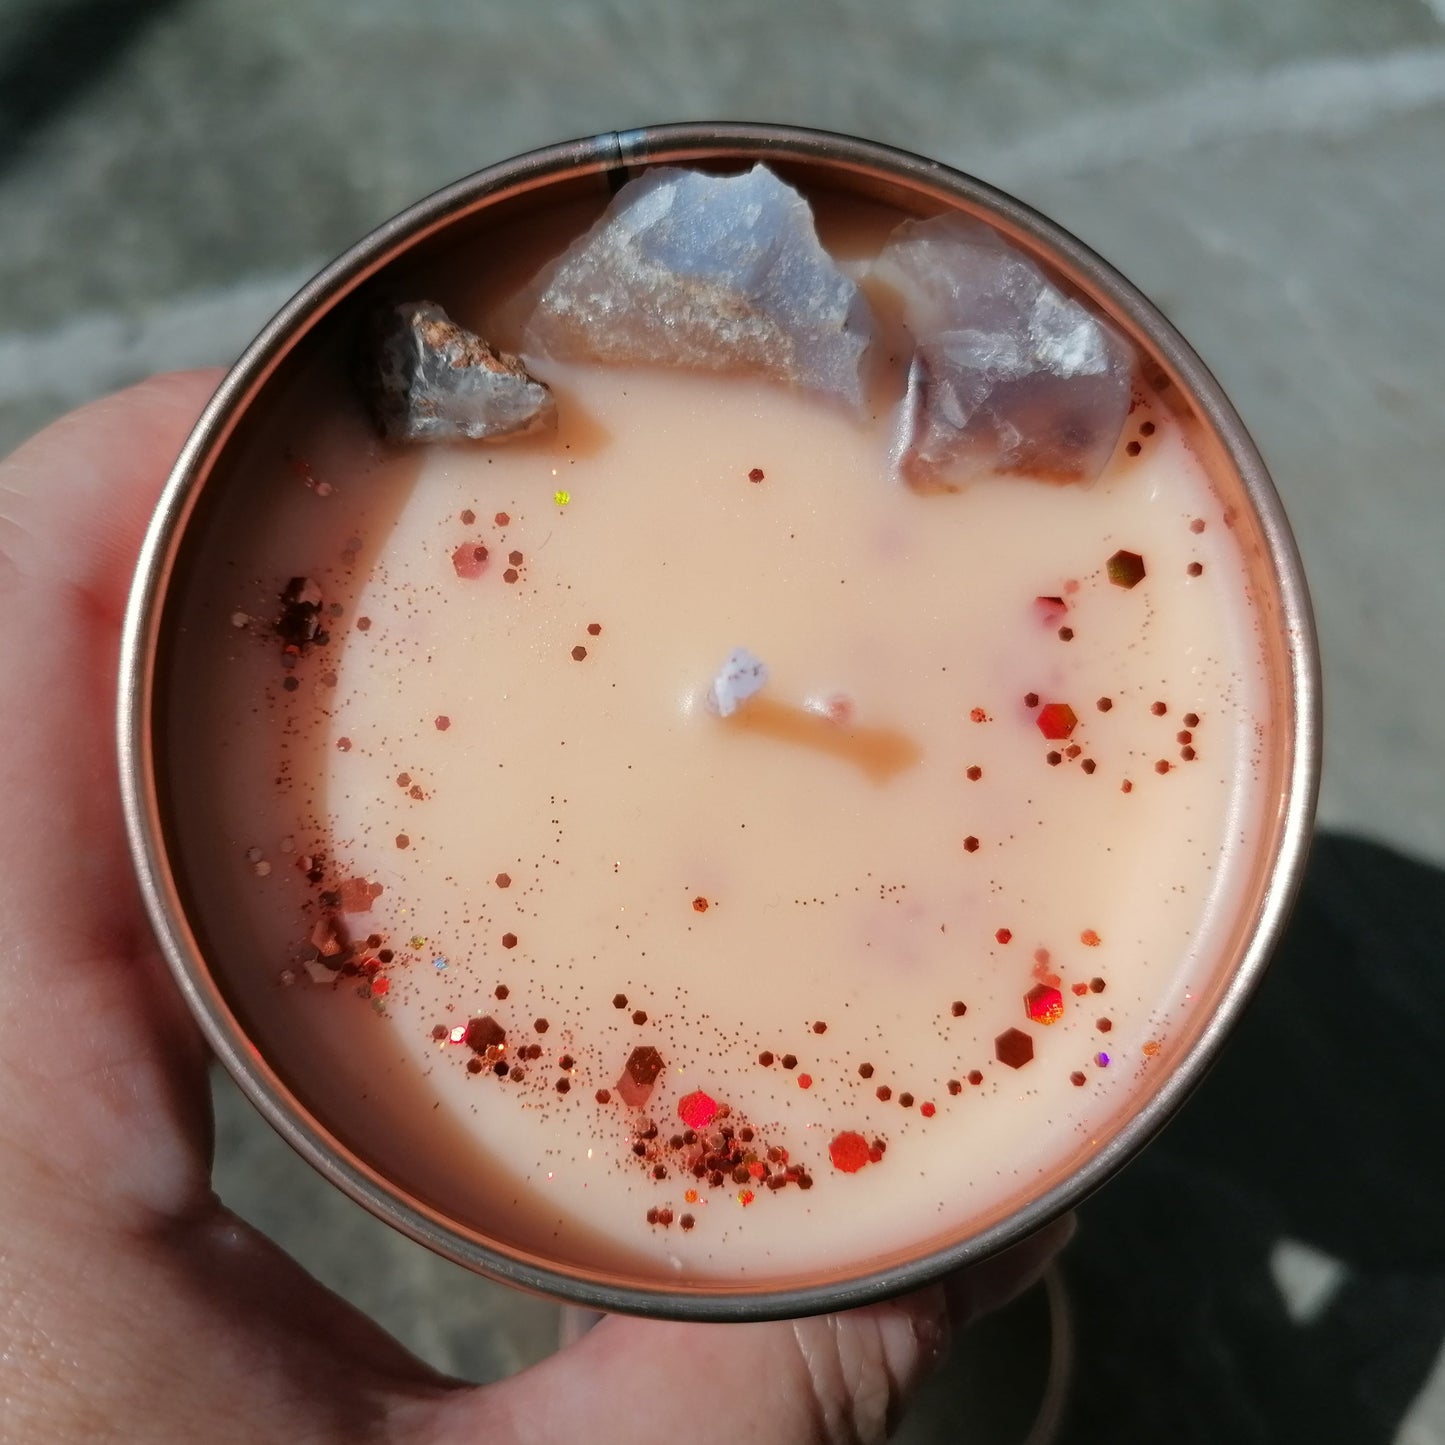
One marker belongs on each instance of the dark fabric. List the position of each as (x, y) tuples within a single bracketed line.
[(1323, 1123)]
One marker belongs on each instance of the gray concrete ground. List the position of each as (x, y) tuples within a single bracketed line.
[(1270, 174)]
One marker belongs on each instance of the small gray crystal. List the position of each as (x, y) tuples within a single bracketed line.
[(1009, 374), (708, 273), (432, 380)]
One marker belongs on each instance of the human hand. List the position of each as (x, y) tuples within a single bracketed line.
[(133, 1305)]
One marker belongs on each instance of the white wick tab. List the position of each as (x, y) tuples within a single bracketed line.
[(737, 680)]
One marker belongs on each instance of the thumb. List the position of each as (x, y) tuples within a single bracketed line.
[(830, 1378)]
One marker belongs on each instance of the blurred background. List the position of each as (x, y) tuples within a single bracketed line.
[(1273, 175)]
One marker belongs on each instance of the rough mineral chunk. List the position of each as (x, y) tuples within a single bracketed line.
[(1009, 375), (708, 273), (740, 676), (432, 380)]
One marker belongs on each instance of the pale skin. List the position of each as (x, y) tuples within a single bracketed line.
[(133, 1304)]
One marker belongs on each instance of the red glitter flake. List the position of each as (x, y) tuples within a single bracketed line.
[(699, 905), (1012, 1047), (849, 1152), (484, 1033), (1096, 985), (594, 629), (1077, 1079), (504, 880), (1191, 719), (970, 844), (978, 715), (502, 519), (402, 841), (1044, 1005), (363, 624), (766, 1058), (343, 745), (1049, 609), (1031, 700), (927, 1110), (380, 985), (603, 1096), (1089, 938), (974, 774), (687, 1221), (515, 558), (1104, 704), (1195, 569), (746, 1197), (756, 474), (975, 1077), (443, 723), (1152, 1048), (1057, 721), (470, 561), (355, 895), (541, 1026), (865, 1071), (639, 1076), (697, 1110), (509, 940), (1080, 989), (1126, 569), (510, 575), (579, 653), (805, 1081), (884, 1092), (1004, 935), (790, 1061), (468, 517), (639, 1017), (955, 1086), (1162, 766), (958, 1008), (1104, 1026)]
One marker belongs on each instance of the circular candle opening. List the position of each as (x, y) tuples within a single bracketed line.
[(526, 635)]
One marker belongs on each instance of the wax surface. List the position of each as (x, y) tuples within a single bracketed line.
[(924, 951)]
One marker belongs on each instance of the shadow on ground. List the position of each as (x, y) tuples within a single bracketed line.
[(1320, 1126)]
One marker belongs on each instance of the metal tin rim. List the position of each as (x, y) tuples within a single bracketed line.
[(613, 153)]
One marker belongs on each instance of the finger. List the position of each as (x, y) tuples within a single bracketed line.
[(840, 1377), (101, 1077)]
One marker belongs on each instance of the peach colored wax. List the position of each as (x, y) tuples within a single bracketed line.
[(913, 924)]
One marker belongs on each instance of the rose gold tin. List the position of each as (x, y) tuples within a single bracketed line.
[(818, 160)]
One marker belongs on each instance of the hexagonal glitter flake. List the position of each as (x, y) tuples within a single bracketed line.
[(638, 1078), (1126, 569), (1057, 721), (484, 1033), (1045, 1005), (1014, 1048)]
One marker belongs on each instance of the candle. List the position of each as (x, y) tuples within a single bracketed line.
[(677, 847)]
